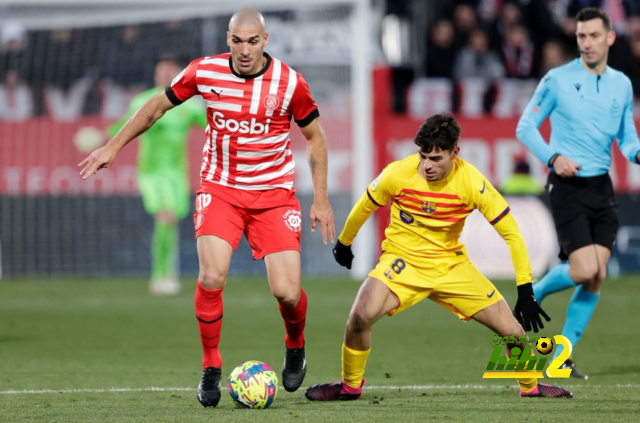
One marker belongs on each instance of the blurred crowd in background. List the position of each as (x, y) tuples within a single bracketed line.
[(523, 39), (452, 39), (124, 56)]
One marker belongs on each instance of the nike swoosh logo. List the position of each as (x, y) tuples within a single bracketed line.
[(484, 184), (491, 295)]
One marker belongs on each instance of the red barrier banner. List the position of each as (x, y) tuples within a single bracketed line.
[(39, 156)]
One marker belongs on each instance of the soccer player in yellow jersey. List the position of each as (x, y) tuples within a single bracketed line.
[(431, 194)]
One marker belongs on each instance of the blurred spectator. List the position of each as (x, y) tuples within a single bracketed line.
[(65, 58), (440, 50), (553, 55), (178, 38), (488, 10), (518, 53), (126, 57), (465, 21), (521, 182), (476, 68), (634, 61), (14, 58), (510, 15), (476, 60), (16, 102)]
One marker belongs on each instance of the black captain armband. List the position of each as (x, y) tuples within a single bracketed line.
[(552, 160)]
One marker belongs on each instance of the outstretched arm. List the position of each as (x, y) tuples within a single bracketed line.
[(321, 211), (141, 120), (496, 210)]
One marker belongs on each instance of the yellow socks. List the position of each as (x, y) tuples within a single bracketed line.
[(527, 384), (353, 363)]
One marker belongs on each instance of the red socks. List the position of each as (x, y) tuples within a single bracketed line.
[(294, 322), (209, 309), (208, 304)]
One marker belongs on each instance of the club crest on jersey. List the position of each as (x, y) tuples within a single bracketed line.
[(615, 109), (271, 102), (293, 220), (428, 207)]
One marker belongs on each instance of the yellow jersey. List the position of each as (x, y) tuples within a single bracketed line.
[(427, 217)]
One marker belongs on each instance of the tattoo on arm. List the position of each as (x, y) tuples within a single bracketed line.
[(313, 164)]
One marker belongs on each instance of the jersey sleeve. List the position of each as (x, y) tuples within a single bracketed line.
[(378, 193), (184, 86), (628, 134), (495, 209), (381, 190), (540, 106), (508, 230), (303, 107), (486, 198)]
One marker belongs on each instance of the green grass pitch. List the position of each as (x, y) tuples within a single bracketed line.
[(105, 351)]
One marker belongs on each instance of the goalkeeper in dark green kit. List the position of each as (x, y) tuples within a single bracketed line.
[(163, 174)]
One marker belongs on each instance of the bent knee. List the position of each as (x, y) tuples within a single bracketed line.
[(585, 275), (211, 279), (287, 299), (359, 319)]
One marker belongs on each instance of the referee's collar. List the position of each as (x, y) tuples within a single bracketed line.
[(255, 75)]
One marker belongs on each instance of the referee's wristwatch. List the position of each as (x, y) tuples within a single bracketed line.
[(552, 160)]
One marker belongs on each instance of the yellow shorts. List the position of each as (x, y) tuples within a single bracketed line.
[(453, 282)]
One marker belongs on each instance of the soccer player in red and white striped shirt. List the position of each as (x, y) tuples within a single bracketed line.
[(246, 183)]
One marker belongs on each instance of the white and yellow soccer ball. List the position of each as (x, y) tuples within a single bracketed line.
[(544, 345), (253, 384)]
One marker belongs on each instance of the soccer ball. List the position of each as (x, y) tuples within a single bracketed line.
[(544, 345), (253, 384)]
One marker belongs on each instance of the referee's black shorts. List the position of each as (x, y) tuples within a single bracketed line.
[(584, 211)]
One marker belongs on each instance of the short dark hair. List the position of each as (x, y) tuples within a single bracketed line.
[(171, 57), (439, 131), (589, 13)]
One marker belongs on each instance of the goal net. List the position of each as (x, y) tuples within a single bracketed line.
[(68, 70)]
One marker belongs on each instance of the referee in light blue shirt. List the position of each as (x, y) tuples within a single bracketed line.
[(589, 104)]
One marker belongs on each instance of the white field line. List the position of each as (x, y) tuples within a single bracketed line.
[(372, 387)]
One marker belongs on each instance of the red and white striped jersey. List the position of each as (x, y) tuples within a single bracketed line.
[(249, 119)]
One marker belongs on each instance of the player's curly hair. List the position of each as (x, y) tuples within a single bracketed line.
[(439, 131), (589, 13)]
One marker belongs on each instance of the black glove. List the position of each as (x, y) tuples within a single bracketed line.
[(527, 310), (343, 254)]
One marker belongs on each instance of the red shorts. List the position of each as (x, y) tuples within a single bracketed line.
[(271, 220)]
